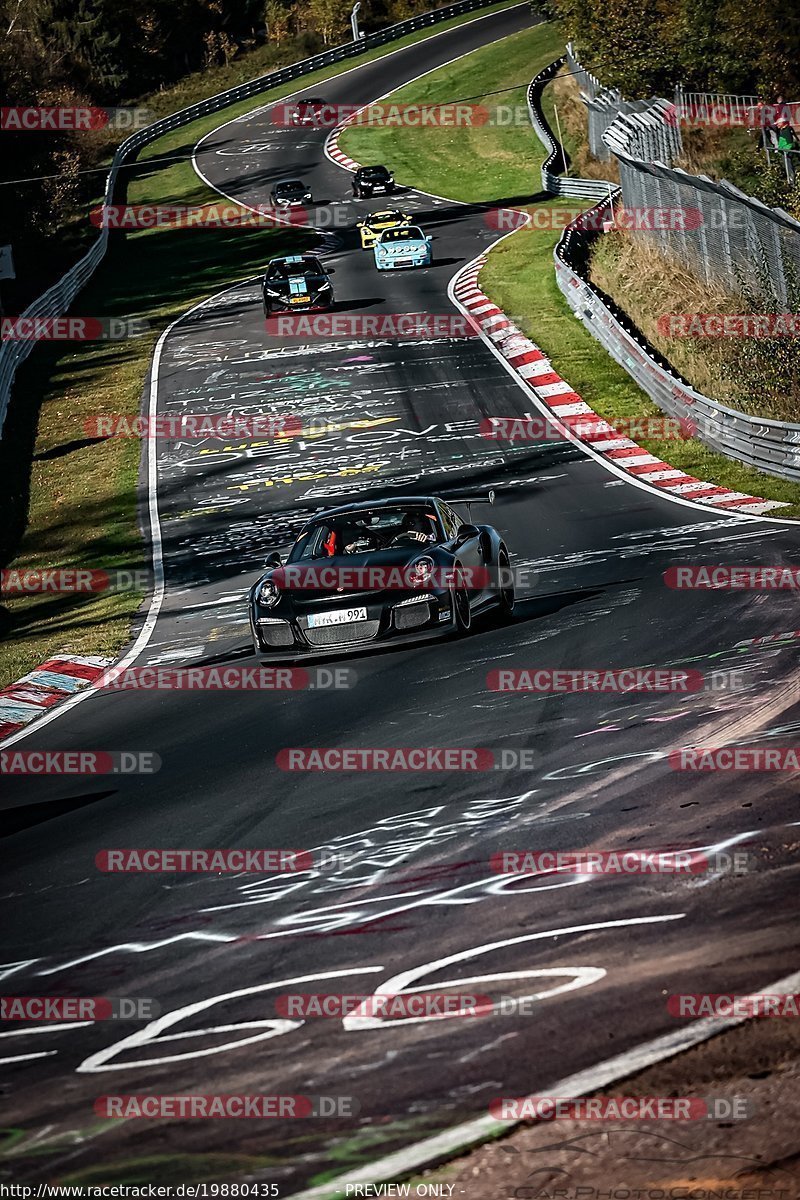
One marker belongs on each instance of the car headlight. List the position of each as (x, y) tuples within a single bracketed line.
[(271, 292), (325, 287), (268, 594), (420, 573)]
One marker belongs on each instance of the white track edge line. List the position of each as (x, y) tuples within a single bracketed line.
[(154, 523), (432, 1151)]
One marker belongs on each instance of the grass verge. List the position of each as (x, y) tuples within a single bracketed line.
[(70, 499), (479, 162), (494, 164)]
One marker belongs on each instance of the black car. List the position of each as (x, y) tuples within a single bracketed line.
[(296, 284), (313, 111), (290, 192), (372, 181), (377, 572)]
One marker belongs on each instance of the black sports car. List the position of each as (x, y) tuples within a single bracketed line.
[(296, 284), (289, 193), (372, 181), (377, 572)]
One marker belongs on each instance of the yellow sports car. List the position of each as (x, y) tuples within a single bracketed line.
[(373, 225)]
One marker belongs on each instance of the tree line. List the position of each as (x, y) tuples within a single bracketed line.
[(734, 46)]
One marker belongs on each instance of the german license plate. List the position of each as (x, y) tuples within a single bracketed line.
[(299, 300), (338, 616)]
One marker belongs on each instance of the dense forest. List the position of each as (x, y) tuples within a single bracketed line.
[(644, 49)]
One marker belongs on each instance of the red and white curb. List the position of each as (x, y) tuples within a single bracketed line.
[(23, 702), (567, 407), (332, 146)]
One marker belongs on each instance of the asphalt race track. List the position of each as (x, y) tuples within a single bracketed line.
[(412, 900)]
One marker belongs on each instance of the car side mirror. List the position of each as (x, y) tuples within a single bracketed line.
[(272, 560), (465, 532), (330, 270)]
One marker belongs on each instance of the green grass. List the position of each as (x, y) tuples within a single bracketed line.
[(72, 502), (520, 278), (482, 162), (479, 165)]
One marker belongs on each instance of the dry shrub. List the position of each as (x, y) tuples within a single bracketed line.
[(760, 376)]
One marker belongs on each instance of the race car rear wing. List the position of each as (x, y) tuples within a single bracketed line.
[(469, 497)]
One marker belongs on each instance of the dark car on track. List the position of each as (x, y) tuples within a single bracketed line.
[(290, 193), (372, 181), (296, 284), (311, 110), (379, 572)]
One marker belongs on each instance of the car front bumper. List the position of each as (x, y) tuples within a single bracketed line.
[(384, 263), (274, 305), (290, 637)]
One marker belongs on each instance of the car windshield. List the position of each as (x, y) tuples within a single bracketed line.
[(374, 173), (292, 185), (365, 530), (310, 103), (286, 268), (409, 233)]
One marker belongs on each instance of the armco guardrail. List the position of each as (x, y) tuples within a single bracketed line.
[(772, 446), (57, 299), (552, 180)]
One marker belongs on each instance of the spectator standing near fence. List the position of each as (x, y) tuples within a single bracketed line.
[(787, 144)]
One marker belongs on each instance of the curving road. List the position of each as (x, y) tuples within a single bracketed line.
[(412, 901)]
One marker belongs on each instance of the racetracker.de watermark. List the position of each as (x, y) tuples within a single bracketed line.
[(196, 216), (155, 861), (626, 679), (546, 429), (70, 581), (422, 575), (390, 326), (213, 1107), (236, 861), (729, 325), (78, 1008), (179, 426), (735, 758), (721, 114), (79, 762), (717, 1004), (727, 577), (542, 218), (71, 329), (622, 1108), (388, 1006), (232, 678), (454, 115), (405, 758), (71, 119), (619, 862)]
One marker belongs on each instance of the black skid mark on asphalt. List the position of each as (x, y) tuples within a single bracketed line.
[(26, 816), (690, 804), (546, 606)]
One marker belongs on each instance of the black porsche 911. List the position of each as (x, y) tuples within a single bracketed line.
[(377, 572), (298, 283)]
